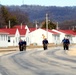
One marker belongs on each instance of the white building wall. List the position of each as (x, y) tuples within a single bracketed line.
[(26, 37), (37, 36), (16, 38), (3, 40), (26, 27), (50, 37), (23, 38), (62, 35), (11, 42), (74, 39), (56, 39)]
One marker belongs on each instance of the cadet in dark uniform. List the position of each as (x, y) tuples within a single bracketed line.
[(45, 44), (24, 45), (66, 43), (20, 45)]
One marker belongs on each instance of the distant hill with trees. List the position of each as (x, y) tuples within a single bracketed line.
[(28, 14)]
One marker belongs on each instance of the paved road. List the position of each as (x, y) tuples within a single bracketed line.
[(53, 61)]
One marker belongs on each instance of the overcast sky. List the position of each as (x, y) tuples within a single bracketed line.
[(40, 2)]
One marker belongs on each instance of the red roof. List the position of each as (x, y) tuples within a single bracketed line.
[(51, 31), (70, 32), (22, 31), (3, 32), (13, 31), (10, 31), (32, 29), (19, 26)]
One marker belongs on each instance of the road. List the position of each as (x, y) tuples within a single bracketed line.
[(53, 61)]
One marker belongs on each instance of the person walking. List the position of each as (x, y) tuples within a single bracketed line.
[(24, 45), (45, 44), (20, 45), (66, 43)]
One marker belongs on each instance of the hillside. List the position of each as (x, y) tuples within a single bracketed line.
[(56, 14)]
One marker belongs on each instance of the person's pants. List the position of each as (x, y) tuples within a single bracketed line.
[(45, 46), (24, 47), (20, 48), (66, 46)]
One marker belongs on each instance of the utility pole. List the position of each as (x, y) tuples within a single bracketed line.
[(36, 24), (21, 25), (57, 27), (72, 27), (9, 23), (46, 25)]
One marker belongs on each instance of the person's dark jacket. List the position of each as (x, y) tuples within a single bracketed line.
[(24, 42), (20, 43), (45, 41), (66, 41)]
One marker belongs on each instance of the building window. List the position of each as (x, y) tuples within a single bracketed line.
[(8, 39), (19, 39), (1, 37), (4, 37), (16, 39), (27, 39)]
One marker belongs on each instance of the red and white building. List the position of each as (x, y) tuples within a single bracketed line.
[(67, 33), (33, 35), (36, 36), (13, 36)]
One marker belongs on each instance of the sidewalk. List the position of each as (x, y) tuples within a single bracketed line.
[(72, 52), (8, 50)]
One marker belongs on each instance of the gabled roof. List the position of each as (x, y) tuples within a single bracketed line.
[(53, 32), (22, 32), (69, 32), (10, 31), (3, 32), (19, 26), (32, 29)]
